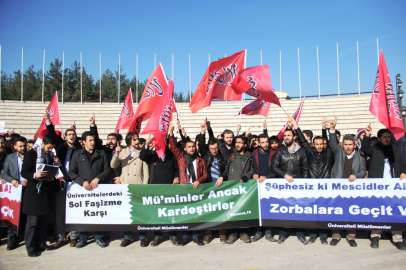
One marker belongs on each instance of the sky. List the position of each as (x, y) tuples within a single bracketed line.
[(218, 28)]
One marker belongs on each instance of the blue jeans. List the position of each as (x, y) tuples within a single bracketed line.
[(322, 233), (97, 235), (159, 234), (234, 232), (128, 235), (196, 234)]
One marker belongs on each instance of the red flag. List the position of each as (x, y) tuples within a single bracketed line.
[(384, 105), (295, 116), (256, 82), (258, 106), (53, 109), (127, 113), (153, 91), (160, 119), (216, 82)]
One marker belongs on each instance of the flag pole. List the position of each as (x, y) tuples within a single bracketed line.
[(338, 72), (136, 78), (154, 60), (318, 68), (359, 83), (173, 67), (119, 65), (280, 71), (22, 77), (0, 71), (209, 60), (261, 57), (300, 81), (190, 79), (43, 76), (100, 78), (63, 70), (377, 48), (81, 85), (177, 113)]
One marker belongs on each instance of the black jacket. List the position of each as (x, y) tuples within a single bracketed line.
[(377, 159), (36, 203), (255, 163), (208, 157), (81, 169), (295, 165), (320, 164), (160, 172)]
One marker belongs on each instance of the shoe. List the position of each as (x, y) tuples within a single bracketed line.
[(32, 254), (101, 243), (281, 239), (198, 242), (245, 238), (269, 237), (183, 242), (352, 243), (375, 242), (143, 242), (256, 237), (125, 242), (73, 242), (11, 246), (156, 242), (174, 241), (60, 244), (231, 239), (323, 241), (223, 239), (46, 248), (207, 239), (106, 238), (302, 239), (311, 240), (334, 242), (81, 243), (400, 246)]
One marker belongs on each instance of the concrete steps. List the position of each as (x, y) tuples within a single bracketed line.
[(352, 113)]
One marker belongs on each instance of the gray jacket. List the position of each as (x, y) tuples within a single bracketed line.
[(358, 164), (239, 169), (10, 170)]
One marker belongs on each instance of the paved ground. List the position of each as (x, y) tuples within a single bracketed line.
[(259, 255)]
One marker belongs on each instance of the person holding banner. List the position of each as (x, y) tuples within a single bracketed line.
[(386, 162), (261, 164), (290, 162), (38, 195), (240, 168), (348, 163), (133, 171), (12, 174), (192, 170), (217, 171), (89, 167)]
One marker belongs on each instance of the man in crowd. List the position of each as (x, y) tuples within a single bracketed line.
[(89, 167), (162, 170), (38, 195), (192, 170), (217, 171), (386, 162), (290, 162), (240, 168), (30, 144), (12, 174), (320, 163), (133, 171), (64, 149), (261, 164), (227, 144), (349, 164)]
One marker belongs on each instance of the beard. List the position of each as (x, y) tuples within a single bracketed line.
[(288, 144)]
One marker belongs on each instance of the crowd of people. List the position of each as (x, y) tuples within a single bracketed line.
[(230, 156)]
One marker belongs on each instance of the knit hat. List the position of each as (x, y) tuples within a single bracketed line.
[(360, 131)]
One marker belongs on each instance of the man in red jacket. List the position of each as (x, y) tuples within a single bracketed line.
[(192, 170)]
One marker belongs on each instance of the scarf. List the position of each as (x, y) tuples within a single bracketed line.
[(191, 168)]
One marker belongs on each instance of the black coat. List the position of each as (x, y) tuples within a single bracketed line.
[(81, 169), (320, 164), (208, 157), (295, 165), (377, 156), (160, 172), (35, 203)]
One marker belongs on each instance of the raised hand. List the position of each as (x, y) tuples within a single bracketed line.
[(333, 123), (264, 124), (368, 130), (92, 120), (203, 127), (46, 116), (292, 122), (208, 124)]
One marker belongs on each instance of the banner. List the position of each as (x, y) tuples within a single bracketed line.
[(10, 202), (334, 204), (364, 204), (162, 207)]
